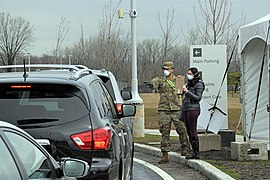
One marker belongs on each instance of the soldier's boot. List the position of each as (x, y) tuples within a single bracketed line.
[(164, 158), (195, 147), (185, 150), (185, 147)]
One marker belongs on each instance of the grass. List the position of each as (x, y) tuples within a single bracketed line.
[(151, 103), (231, 172)]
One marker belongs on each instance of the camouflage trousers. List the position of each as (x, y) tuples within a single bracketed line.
[(165, 119)]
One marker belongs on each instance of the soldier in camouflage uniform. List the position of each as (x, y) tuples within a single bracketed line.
[(168, 109)]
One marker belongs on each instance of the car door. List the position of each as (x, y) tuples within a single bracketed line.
[(107, 110), (31, 161), (9, 169), (123, 134)]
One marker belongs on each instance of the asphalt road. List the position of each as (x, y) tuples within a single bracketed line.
[(177, 171), (140, 171)]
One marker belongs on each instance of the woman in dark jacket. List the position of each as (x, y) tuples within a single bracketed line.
[(191, 108)]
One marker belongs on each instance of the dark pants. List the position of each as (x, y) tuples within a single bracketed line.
[(190, 118)]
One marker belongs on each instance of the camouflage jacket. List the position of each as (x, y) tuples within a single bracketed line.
[(168, 99)]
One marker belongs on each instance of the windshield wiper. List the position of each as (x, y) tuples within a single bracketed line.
[(36, 121)]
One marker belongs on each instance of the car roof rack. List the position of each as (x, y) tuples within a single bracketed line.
[(78, 70)]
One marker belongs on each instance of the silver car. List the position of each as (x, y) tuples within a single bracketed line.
[(22, 157)]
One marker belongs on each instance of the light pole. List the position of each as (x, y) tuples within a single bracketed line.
[(29, 56), (69, 59), (138, 119)]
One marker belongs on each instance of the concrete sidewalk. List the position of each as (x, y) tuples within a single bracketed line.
[(238, 138), (207, 169)]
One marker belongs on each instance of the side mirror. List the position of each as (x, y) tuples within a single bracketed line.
[(75, 168), (126, 95), (128, 110)]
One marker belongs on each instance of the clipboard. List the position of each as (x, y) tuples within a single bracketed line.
[(180, 82)]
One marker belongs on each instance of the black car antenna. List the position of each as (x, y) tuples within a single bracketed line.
[(24, 71)]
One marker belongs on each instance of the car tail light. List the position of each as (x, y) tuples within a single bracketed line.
[(102, 139), (21, 86), (119, 108)]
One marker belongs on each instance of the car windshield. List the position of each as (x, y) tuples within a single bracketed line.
[(39, 103)]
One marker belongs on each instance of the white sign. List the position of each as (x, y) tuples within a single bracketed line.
[(217, 118), (211, 60)]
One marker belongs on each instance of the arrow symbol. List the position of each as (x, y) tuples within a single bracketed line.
[(197, 52)]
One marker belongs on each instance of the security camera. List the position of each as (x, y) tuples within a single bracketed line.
[(133, 13)]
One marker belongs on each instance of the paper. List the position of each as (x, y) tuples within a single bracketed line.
[(180, 81)]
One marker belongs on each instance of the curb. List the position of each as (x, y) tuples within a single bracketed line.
[(207, 169)]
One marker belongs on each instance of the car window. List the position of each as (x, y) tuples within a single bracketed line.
[(101, 100), (35, 162), (109, 86), (39, 102), (108, 83), (110, 100), (8, 168)]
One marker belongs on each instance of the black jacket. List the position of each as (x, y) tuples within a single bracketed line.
[(193, 97)]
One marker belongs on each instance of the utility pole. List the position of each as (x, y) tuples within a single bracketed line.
[(138, 119)]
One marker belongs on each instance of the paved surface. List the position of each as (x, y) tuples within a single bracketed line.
[(173, 170), (207, 169), (143, 172)]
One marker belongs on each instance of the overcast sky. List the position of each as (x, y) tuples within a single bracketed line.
[(45, 15)]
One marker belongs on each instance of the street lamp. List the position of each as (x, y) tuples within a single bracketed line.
[(29, 56), (138, 119)]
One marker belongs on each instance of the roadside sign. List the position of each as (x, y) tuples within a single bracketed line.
[(211, 60), (197, 52)]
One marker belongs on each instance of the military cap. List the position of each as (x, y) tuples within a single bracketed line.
[(168, 65)]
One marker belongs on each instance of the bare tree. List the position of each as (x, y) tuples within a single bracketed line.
[(149, 57), (192, 37), (15, 36), (167, 32), (112, 45), (109, 48), (108, 29), (62, 32), (216, 20)]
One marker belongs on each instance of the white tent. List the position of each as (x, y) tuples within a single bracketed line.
[(252, 43)]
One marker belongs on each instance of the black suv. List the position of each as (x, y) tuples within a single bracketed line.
[(119, 97), (72, 114)]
